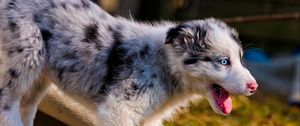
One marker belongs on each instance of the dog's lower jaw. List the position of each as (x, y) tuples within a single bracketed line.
[(219, 99)]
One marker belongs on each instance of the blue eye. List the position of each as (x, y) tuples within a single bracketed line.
[(225, 62)]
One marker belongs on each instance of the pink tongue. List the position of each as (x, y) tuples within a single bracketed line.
[(223, 100)]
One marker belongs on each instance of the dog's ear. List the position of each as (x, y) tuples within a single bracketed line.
[(179, 34), (186, 37)]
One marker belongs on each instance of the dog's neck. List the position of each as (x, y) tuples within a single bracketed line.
[(178, 72), (176, 82)]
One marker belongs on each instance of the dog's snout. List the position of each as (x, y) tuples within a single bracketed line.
[(252, 86)]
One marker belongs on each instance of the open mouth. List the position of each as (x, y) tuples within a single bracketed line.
[(221, 99)]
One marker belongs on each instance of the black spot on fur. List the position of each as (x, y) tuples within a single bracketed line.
[(127, 95), (173, 33), (13, 26), (151, 85), (40, 52), (132, 91), (19, 50), (117, 36), (195, 58), (66, 41), (98, 46), (207, 59), (190, 61), (63, 5), (46, 34), (13, 73), (202, 33), (134, 86), (11, 51), (91, 34), (142, 89), (51, 23), (142, 71), (192, 41), (95, 1), (115, 62), (109, 28), (153, 76), (144, 51), (52, 4), (60, 73), (10, 84), (217, 66), (6, 108), (46, 47), (36, 18), (1, 93), (201, 57), (200, 44), (12, 4), (85, 3), (76, 6)]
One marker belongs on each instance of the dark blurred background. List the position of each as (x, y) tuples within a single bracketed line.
[(275, 37)]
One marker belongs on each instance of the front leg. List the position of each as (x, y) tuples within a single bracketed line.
[(21, 61), (31, 100)]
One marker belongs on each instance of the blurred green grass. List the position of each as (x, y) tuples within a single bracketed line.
[(259, 110)]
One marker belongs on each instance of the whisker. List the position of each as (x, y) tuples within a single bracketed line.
[(251, 43)]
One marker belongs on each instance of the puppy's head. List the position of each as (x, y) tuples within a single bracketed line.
[(209, 54)]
